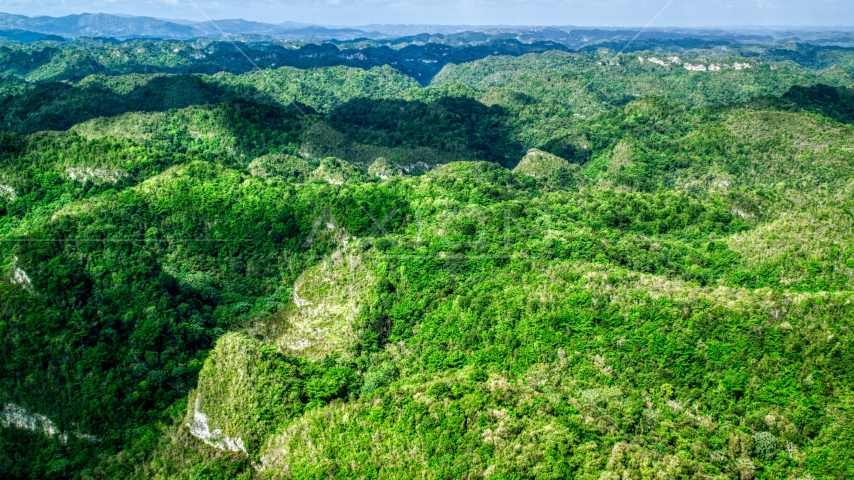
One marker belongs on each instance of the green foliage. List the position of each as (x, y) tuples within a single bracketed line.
[(384, 169), (766, 445), (336, 172), (286, 168), (549, 169), (52, 61), (333, 272)]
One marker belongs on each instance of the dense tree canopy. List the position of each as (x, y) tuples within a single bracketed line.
[(534, 265)]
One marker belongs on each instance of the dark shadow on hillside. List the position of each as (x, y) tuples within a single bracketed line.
[(59, 106), (461, 127), (832, 102), (413, 134), (574, 148)]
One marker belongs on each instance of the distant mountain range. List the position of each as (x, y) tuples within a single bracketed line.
[(123, 27)]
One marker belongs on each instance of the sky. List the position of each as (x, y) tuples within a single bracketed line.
[(681, 13)]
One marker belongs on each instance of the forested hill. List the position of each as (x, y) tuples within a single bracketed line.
[(420, 57), (522, 263), (56, 62)]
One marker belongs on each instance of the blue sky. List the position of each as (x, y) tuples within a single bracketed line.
[(472, 12)]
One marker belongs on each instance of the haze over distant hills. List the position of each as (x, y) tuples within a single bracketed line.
[(122, 27)]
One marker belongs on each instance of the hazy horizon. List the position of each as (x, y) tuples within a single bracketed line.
[(581, 13), (440, 24)]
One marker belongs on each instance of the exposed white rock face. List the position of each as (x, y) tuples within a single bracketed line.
[(7, 192), (714, 67), (658, 61), (299, 301), (83, 174), (18, 417), (21, 278), (418, 167), (200, 429)]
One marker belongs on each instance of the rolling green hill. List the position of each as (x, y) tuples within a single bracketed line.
[(553, 265)]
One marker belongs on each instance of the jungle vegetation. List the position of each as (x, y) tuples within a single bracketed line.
[(535, 263)]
